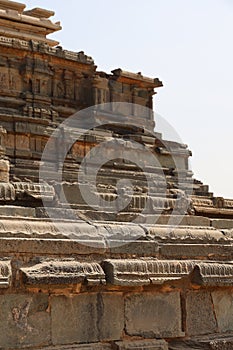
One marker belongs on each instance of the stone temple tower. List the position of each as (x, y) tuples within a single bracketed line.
[(107, 241)]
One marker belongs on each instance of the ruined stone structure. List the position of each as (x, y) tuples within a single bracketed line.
[(83, 284)]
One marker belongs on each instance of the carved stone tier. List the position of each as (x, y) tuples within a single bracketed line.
[(26, 25)]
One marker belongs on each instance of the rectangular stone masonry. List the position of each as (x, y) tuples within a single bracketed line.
[(87, 318), (153, 315), (142, 345), (63, 272), (200, 318), (24, 321), (223, 308)]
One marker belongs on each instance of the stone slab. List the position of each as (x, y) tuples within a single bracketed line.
[(200, 318), (223, 307), (153, 315), (197, 251), (222, 223), (210, 342), (6, 211), (87, 318), (24, 320), (142, 345)]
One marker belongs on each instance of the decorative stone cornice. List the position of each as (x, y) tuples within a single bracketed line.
[(136, 272), (213, 274), (63, 272)]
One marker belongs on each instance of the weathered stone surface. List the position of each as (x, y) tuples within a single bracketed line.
[(87, 318), (196, 251), (222, 223), (142, 345), (132, 272), (24, 320), (211, 342), (35, 23), (153, 315), (200, 318), (187, 220), (56, 247), (223, 308), (5, 273), (213, 274), (16, 211), (63, 272), (186, 234), (139, 247), (7, 192), (91, 346), (33, 190)]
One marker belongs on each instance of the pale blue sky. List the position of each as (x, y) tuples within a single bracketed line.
[(188, 44)]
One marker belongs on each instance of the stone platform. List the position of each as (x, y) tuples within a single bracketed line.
[(74, 276)]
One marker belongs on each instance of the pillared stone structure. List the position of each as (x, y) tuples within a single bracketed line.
[(84, 283)]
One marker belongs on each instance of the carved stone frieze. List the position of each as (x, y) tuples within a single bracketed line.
[(36, 191), (7, 192)]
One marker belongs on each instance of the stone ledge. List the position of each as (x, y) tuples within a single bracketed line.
[(134, 272), (213, 274), (139, 272)]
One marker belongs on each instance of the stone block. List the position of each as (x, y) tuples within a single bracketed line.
[(10, 210), (92, 346), (222, 224), (87, 318), (142, 345), (200, 317), (153, 315), (24, 320), (223, 307)]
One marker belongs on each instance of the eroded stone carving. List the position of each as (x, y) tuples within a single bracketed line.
[(142, 272), (36, 191), (63, 272), (5, 273), (213, 274)]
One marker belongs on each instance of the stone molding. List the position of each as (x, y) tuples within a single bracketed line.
[(63, 272), (213, 274), (137, 272)]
